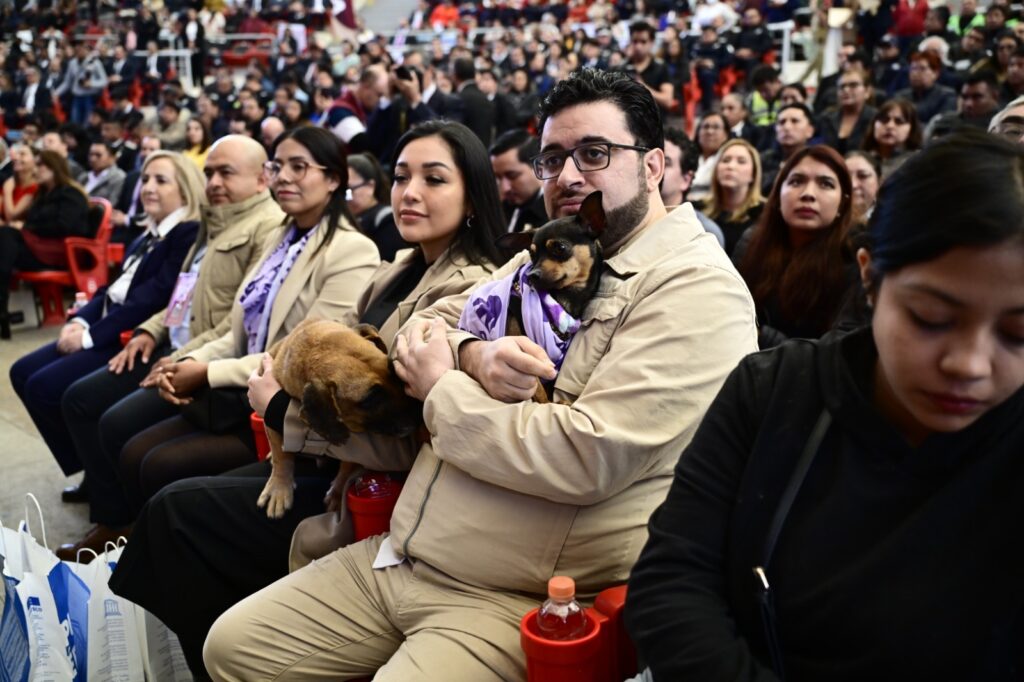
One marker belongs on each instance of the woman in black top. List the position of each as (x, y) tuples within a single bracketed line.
[(850, 508), (370, 203), (735, 202), (60, 209)]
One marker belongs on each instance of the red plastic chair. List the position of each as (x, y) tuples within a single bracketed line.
[(86, 260)]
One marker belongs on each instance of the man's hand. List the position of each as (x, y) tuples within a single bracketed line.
[(262, 387), (422, 357), (408, 88), (70, 339), (508, 368), (153, 378), (180, 380), (141, 346), (119, 218)]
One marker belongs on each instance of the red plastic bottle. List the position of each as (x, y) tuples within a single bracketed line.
[(561, 618)]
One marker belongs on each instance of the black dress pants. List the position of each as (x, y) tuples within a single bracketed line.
[(201, 545)]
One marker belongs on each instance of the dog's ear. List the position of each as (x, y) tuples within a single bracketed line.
[(320, 411), (369, 332), (591, 214), (514, 242)]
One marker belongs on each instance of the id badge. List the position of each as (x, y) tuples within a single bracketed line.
[(181, 300)]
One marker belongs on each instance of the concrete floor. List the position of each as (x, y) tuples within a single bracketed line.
[(26, 465)]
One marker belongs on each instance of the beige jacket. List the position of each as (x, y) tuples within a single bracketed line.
[(508, 495), (323, 284), (449, 275), (235, 235)]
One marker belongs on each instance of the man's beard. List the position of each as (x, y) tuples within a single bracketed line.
[(622, 220)]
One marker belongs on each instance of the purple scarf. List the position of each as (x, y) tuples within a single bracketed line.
[(257, 298), (545, 322)]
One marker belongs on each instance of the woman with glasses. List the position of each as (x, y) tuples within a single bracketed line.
[(894, 135), (844, 129), (850, 508), (451, 216), (314, 266), (369, 202), (795, 259), (712, 132)]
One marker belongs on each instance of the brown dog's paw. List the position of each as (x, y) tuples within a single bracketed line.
[(277, 497)]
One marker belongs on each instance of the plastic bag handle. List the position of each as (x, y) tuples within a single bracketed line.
[(42, 523), (78, 554)]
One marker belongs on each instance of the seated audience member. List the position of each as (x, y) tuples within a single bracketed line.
[(60, 210), (793, 93), (521, 198), (1013, 86), (928, 97), (101, 406), (712, 132), (735, 112), (129, 216), (795, 259), (370, 203), (105, 179), (894, 136), (680, 166), (844, 128), (197, 142), (830, 478), (247, 551), (710, 54), (735, 202), (1009, 122), (865, 179), (979, 102), (20, 188), (171, 122), (271, 128), (763, 104), (750, 40), (564, 484), (173, 195), (313, 267), (54, 142), (794, 128)]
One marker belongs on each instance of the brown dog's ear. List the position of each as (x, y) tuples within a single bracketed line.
[(369, 332), (591, 213), (320, 412), (514, 242)]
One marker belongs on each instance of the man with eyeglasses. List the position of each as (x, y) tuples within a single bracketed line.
[(1009, 123), (509, 492)]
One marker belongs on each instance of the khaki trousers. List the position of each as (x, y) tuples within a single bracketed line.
[(337, 618)]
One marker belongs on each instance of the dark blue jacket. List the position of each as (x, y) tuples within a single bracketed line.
[(150, 289)]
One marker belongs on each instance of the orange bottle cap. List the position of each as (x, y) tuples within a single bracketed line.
[(561, 587)]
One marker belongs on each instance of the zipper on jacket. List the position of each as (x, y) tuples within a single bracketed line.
[(423, 505)]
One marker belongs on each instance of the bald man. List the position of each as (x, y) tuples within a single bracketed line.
[(106, 408)]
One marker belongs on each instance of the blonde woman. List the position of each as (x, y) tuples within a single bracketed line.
[(735, 202), (172, 194)]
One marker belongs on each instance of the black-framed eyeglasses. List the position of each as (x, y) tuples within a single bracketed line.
[(589, 157), (297, 168), (364, 183)]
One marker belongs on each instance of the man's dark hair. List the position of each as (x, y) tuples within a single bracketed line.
[(641, 27), (463, 70), (586, 86), (689, 154), (799, 87), (802, 107), (762, 74), (527, 144), (982, 76), (104, 143)]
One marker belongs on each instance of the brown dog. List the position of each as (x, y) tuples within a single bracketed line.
[(346, 384)]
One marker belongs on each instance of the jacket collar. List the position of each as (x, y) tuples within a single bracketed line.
[(652, 243), (219, 218)]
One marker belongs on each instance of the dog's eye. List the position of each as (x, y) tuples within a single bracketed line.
[(374, 398), (559, 249)]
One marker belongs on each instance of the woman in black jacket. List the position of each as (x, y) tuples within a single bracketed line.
[(850, 508), (60, 209)]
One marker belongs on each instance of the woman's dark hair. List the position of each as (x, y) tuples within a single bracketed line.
[(909, 112), (58, 165), (328, 151), (369, 169), (872, 160), (966, 189), (207, 140), (587, 85), (477, 237), (809, 283)]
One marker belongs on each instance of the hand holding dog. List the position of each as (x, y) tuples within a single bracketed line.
[(180, 380), (262, 385), (422, 357), (508, 368), (141, 345)]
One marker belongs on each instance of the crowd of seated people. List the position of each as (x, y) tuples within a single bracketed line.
[(366, 178)]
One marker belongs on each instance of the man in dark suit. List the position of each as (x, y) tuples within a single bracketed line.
[(504, 111), (122, 68), (390, 120), (479, 110), (520, 190), (440, 102), (36, 99)]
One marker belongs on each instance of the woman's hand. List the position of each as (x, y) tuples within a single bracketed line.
[(180, 380), (70, 339), (262, 385), (140, 343), (155, 371)]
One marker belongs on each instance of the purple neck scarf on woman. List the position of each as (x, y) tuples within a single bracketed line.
[(545, 322), (257, 298)]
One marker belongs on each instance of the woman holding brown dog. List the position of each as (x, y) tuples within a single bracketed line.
[(187, 570)]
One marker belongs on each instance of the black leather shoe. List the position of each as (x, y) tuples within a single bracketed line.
[(76, 493)]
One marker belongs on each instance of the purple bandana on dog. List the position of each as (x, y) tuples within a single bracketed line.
[(545, 322)]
